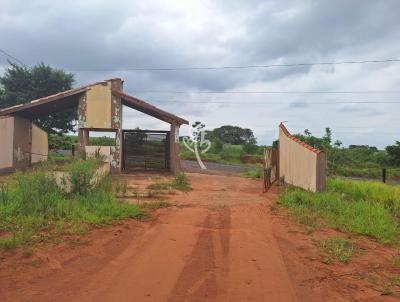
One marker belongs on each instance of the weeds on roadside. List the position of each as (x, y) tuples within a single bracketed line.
[(253, 173), (36, 208), (121, 187), (336, 248), (155, 205), (152, 193), (81, 176), (179, 182), (4, 197), (160, 186), (352, 206)]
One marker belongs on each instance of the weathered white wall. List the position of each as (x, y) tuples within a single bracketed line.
[(40, 145), (6, 140), (300, 164)]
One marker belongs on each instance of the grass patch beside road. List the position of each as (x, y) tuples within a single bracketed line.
[(361, 207), (35, 208), (336, 248), (254, 173), (179, 182)]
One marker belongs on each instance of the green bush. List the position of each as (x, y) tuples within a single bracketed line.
[(250, 148), (216, 146), (82, 175), (231, 152), (60, 142), (35, 193)]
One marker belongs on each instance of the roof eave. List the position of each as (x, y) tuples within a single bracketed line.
[(42, 101), (149, 109)]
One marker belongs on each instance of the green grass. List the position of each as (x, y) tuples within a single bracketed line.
[(179, 182), (229, 154), (360, 207), (35, 208), (336, 248), (160, 186), (57, 163), (154, 205), (252, 173)]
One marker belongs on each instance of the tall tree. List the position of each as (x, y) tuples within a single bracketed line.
[(21, 84), (394, 153), (233, 135)]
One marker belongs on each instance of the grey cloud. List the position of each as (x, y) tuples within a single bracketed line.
[(359, 109), (298, 104)]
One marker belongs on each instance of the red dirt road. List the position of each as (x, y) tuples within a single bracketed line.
[(218, 243)]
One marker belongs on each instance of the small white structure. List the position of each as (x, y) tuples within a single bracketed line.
[(22, 143)]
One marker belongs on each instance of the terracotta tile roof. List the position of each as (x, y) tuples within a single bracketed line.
[(287, 133)]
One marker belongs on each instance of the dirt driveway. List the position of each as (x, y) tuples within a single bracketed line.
[(219, 242)]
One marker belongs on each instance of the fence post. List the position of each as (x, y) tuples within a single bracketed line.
[(384, 175), (264, 178)]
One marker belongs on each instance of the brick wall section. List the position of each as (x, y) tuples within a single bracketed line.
[(299, 163)]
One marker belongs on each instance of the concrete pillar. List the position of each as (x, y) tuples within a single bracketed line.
[(117, 84), (116, 153), (83, 139), (321, 172), (116, 124), (174, 160)]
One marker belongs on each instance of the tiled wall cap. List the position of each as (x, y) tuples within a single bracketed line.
[(287, 133)]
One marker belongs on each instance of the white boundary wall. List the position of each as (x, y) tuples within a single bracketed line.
[(300, 164)]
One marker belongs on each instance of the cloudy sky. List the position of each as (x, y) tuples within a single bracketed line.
[(98, 39)]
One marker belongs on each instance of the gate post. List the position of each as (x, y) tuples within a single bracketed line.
[(83, 140), (174, 161)]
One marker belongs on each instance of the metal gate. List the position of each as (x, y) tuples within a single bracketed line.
[(145, 149), (271, 168)]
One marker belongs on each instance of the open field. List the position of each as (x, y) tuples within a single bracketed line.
[(220, 241)]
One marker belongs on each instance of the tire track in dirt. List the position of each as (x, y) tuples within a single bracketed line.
[(206, 268), (257, 271)]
